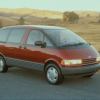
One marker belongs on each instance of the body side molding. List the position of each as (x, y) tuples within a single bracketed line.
[(23, 63)]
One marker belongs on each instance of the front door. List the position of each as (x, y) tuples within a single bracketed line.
[(32, 55)]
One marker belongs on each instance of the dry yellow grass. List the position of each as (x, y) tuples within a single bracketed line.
[(45, 13), (33, 12), (86, 29), (89, 32)]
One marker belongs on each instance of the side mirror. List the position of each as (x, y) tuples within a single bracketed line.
[(40, 43)]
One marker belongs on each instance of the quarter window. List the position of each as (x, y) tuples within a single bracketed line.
[(35, 35), (16, 35), (4, 34)]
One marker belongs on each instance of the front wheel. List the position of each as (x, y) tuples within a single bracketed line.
[(53, 74), (3, 67)]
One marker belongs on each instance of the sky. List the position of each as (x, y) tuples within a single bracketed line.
[(57, 5)]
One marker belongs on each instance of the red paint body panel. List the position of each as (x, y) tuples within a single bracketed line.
[(43, 55), (80, 53)]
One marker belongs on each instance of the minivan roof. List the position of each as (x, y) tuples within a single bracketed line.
[(35, 26)]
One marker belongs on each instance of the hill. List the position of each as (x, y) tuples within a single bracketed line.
[(31, 12), (87, 26), (42, 13)]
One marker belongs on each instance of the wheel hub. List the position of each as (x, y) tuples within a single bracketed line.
[(52, 74), (1, 65)]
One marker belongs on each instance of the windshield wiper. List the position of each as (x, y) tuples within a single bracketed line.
[(74, 44), (79, 43)]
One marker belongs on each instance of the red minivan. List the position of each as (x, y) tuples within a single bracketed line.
[(56, 51)]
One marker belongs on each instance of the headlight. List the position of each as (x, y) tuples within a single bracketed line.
[(98, 59), (71, 62)]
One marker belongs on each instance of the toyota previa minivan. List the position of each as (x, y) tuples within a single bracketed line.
[(56, 51)]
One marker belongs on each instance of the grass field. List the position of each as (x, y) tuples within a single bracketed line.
[(90, 32)]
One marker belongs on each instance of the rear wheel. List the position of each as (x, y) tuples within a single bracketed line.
[(53, 74), (3, 67)]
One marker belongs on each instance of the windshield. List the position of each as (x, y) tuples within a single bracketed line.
[(64, 37)]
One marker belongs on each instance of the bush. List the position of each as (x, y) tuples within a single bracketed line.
[(88, 15), (1, 24), (99, 21), (21, 21), (70, 17)]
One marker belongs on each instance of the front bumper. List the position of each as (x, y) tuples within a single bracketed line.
[(80, 70)]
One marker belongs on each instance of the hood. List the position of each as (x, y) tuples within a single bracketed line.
[(81, 52)]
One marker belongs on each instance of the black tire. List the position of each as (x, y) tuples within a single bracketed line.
[(59, 78), (3, 67), (89, 76)]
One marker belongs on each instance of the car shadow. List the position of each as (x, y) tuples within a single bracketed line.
[(90, 85), (25, 73), (30, 74)]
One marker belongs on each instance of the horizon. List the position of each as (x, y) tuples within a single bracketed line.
[(58, 5), (51, 10)]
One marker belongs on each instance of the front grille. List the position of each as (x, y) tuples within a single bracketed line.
[(89, 61)]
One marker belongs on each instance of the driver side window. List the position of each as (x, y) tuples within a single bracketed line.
[(35, 35)]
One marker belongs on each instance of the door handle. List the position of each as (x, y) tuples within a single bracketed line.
[(24, 47)]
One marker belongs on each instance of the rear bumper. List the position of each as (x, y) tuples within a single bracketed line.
[(80, 70)]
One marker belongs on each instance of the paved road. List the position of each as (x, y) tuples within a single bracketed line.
[(23, 84)]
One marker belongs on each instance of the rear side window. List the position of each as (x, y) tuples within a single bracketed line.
[(16, 35), (35, 35), (4, 34)]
